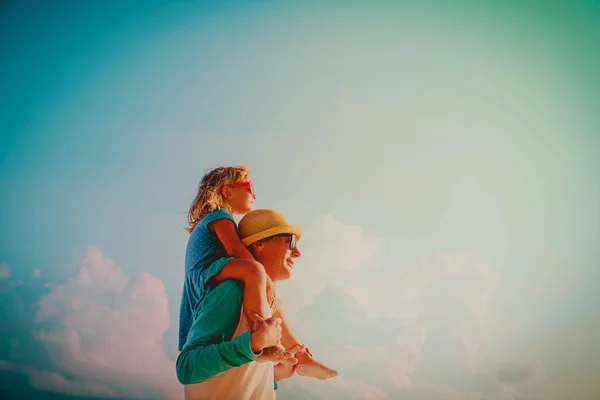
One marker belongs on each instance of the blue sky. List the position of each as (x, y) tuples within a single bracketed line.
[(444, 154)]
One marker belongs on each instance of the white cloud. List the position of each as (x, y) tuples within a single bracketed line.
[(104, 334), (36, 273), (8, 366), (374, 356), (340, 388), (413, 331), (55, 382), (4, 271), (420, 330), (331, 253)]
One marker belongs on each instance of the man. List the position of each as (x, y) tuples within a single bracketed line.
[(221, 357)]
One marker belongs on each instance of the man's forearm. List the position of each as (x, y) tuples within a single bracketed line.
[(198, 363), (283, 371)]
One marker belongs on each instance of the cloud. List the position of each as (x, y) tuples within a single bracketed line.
[(381, 357), (375, 356), (417, 331), (378, 351), (332, 252), (4, 271), (44, 379), (54, 381), (511, 372), (103, 333), (36, 273)]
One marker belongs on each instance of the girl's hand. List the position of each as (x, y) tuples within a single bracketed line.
[(308, 352), (285, 371)]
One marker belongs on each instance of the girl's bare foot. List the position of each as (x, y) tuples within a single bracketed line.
[(307, 366), (315, 369), (276, 355)]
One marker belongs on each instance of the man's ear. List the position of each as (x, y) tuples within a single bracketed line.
[(257, 246)]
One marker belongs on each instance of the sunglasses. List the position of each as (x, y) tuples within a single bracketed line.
[(292, 240), (244, 184)]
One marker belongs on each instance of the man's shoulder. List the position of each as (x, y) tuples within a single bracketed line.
[(222, 303), (228, 286), (228, 290)]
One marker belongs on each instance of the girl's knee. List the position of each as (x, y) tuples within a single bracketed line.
[(255, 272)]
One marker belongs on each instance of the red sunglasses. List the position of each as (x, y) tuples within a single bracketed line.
[(244, 184)]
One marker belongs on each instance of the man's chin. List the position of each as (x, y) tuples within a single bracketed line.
[(287, 273)]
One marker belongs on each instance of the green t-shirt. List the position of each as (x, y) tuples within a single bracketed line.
[(210, 349)]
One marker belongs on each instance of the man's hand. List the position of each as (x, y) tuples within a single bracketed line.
[(284, 371), (265, 333)]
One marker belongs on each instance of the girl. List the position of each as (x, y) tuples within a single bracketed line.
[(215, 253)]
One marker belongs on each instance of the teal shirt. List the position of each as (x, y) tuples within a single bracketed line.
[(209, 349)]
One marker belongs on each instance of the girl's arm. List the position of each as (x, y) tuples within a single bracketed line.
[(227, 234)]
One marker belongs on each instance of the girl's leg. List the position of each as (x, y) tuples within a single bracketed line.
[(254, 279)]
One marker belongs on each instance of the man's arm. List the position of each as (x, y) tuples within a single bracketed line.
[(285, 371), (208, 350), (281, 372)]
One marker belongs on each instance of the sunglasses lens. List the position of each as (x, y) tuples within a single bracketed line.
[(293, 242)]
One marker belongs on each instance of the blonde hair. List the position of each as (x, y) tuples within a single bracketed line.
[(209, 197)]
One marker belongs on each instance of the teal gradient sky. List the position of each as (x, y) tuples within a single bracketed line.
[(408, 128)]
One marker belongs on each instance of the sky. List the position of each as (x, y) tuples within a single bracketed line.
[(442, 157)]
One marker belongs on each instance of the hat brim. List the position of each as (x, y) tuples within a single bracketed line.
[(279, 230)]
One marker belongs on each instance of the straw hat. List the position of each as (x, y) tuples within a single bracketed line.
[(261, 224)]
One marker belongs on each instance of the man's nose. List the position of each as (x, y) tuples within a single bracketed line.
[(296, 252)]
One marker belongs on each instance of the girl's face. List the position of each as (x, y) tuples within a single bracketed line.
[(240, 197)]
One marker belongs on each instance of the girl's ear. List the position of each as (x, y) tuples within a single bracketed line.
[(226, 192)]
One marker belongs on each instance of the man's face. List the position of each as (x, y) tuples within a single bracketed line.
[(275, 255)]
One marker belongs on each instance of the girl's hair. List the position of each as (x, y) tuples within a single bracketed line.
[(209, 197)]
